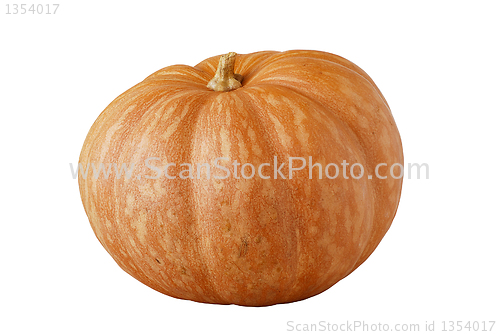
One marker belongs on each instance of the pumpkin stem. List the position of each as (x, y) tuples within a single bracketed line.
[(225, 79)]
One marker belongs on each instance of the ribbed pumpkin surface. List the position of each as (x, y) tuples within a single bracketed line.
[(245, 241)]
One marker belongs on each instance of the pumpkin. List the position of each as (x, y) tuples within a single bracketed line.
[(194, 233)]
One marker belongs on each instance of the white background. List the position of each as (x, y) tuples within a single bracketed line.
[(436, 62)]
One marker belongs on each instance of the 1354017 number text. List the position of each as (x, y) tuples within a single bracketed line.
[(31, 8)]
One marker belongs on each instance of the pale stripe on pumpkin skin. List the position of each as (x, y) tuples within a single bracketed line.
[(176, 74), (237, 199), (133, 243), (139, 226)]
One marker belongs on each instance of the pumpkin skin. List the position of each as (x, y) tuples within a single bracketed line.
[(253, 241)]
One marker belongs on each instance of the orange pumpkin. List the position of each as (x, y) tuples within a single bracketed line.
[(244, 240)]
